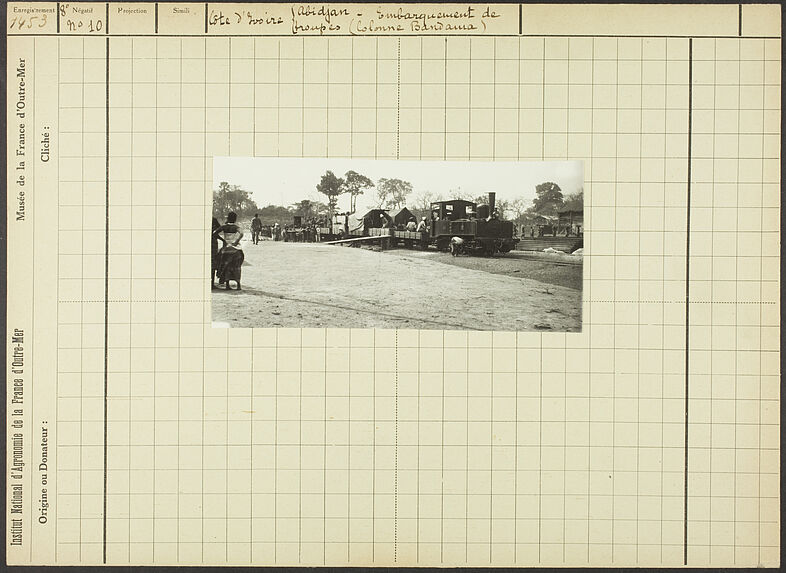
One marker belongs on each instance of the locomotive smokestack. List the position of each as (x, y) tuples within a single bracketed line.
[(492, 201)]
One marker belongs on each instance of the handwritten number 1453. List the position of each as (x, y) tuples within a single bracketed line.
[(22, 23)]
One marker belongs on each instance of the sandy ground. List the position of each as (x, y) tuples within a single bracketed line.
[(314, 285), (562, 270)]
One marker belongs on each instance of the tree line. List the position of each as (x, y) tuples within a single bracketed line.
[(549, 200), (390, 193), (233, 198)]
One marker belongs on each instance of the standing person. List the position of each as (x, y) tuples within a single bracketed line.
[(230, 256), (256, 228), (422, 226), (214, 253), (411, 225)]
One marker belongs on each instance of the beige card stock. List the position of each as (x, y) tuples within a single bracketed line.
[(139, 434)]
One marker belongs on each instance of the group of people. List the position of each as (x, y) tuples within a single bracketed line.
[(301, 231), (411, 225), (227, 259), (306, 234), (305, 230), (553, 230), (258, 230)]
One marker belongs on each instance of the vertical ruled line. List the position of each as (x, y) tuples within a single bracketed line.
[(687, 296), (106, 296)]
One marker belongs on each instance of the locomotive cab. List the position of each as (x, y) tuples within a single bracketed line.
[(450, 219)]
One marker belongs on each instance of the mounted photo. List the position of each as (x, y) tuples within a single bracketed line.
[(364, 243)]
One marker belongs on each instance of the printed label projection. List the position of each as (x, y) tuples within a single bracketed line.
[(20, 152), (16, 468)]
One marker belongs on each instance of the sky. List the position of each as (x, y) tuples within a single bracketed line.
[(287, 180)]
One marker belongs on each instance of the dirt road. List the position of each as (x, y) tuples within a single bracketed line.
[(313, 285)]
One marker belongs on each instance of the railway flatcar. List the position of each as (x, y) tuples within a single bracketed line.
[(367, 224), (337, 227), (347, 225), (410, 239)]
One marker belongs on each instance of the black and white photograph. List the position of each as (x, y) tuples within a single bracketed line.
[(364, 243)]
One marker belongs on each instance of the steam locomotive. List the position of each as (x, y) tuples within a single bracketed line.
[(478, 227)]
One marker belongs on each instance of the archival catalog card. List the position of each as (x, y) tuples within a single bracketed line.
[(393, 284)]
